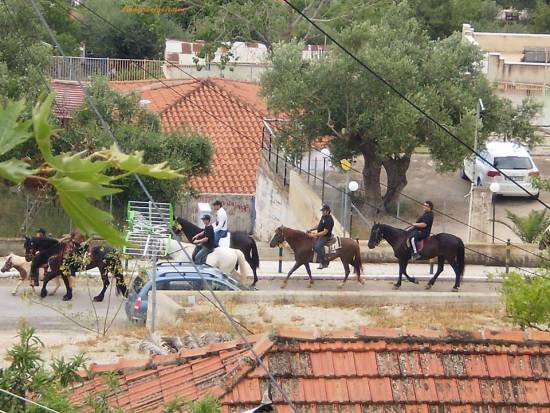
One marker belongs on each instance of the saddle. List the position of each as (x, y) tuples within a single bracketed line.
[(333, 245), (419, 244)]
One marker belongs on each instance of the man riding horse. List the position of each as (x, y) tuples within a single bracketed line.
[(422, 228), (323, 233)]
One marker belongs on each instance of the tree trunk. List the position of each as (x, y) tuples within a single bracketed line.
[(396, 170), (371, 177)]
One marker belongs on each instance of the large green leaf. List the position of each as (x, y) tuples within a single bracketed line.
[(81, 168), (74, 197), (43, 131), (13, 131), (15, 171), (134, 163)]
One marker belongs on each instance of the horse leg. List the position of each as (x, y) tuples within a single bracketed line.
[(254, 271), (294, 268), (454, 265), (49, 275), (440, 264), (57, 285), (69, 294), (106, 283), (410, 279), (120, 285), (309, 274), (397, 285), (346, 274), (14, 292)]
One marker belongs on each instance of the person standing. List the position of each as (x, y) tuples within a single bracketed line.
[(323, 233), (422, 228), (220, 227), (204, 241)]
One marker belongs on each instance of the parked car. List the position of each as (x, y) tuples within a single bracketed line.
[(176, 277), (512, 159)]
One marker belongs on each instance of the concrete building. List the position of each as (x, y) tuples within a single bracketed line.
[(517, 64), (247, 62)]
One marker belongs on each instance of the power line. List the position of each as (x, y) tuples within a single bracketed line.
[(406, 99), (261, 145), (154, 204), (178, 67)]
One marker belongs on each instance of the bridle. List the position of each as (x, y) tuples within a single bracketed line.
[(378, 235), (7, 265), (281, 233)]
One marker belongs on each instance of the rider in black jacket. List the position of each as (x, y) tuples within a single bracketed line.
[(423, 227)]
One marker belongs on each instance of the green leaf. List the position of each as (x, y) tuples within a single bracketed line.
[(82, 169), (74, 196), (134, 163), (15, 171), (12, 131), (43, 130)]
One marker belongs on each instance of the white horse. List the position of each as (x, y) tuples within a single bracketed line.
[(24, 268), (223, 258)]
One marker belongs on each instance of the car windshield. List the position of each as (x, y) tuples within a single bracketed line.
[(513, 162)]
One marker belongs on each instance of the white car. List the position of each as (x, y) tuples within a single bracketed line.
[(512, 159)]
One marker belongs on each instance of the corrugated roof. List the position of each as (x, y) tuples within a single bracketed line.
[(370, 370)]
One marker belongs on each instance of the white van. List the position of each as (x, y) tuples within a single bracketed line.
[(512, 159)]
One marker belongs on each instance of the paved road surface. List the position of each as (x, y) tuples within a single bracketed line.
[(43, 317)]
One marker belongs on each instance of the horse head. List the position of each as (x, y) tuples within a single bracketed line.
[(278, 237), (7, 265), (376, 235)]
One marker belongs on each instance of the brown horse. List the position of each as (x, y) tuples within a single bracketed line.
[(302, 245)]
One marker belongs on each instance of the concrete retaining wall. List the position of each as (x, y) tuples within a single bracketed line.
[(14, 245)]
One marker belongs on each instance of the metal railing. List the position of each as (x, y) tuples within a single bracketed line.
[(84, 68)]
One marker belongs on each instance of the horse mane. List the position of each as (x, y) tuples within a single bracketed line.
[(294, 233), (186, 223)]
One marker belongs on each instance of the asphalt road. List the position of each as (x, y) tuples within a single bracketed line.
[(47, 313)]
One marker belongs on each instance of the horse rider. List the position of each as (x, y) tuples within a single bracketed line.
[(422, 228), (40, 259), (220, 227), (204, 241), (323, 233)]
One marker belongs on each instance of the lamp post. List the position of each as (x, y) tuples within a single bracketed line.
[(480, 109), (352, 187), (346, 166), (326, 155), (495, 188)]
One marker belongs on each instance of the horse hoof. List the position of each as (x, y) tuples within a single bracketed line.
[(361, 282), (283, 286), (310, 285), (428, 286), (340, 286), (414, 280), (455, 289), (67, 298), (98, 299), (14, 293), (43, 293), (396, 286)]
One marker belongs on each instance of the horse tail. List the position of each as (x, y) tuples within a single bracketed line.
[(460, 259), (255, 257), (244, 267), (357, 263)]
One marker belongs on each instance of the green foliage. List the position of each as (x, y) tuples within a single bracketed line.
[(78, 178), (529, 228), (28, 377), (136, 128), (134, 35), (207, 404), (540, 18), (336, 96), (527, 299)]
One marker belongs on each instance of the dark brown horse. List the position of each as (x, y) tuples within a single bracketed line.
[(302, 245), (443, 246)]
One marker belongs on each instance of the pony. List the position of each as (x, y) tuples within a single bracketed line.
[(23, 267), (302, 245), (443, 246), (225, 259), (240, 240)]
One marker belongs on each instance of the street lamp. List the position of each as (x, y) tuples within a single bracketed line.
[(480, 110), (326, 155), (495, 189), (352, 187)]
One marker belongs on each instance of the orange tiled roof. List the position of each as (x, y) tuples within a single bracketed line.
[(230, 112), (68, 97), (371, 370)]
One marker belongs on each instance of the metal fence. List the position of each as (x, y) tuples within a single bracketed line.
[(84, 68)]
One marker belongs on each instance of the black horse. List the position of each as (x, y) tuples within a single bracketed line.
[(240, 240), (73, 258), (443, 246)]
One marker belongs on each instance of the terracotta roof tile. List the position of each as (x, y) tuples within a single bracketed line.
[(321, 372)]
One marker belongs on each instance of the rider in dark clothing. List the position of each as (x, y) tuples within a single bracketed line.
[(423, 227), (323, 233), (41, 256), (205, 241)]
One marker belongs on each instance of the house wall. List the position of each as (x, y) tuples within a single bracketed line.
[(239, 71), (240, 209)]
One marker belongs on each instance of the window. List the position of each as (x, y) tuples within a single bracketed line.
[(218, 285), (186, 285), (513, 162)]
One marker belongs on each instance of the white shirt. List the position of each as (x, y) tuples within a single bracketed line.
[(221, 220)]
